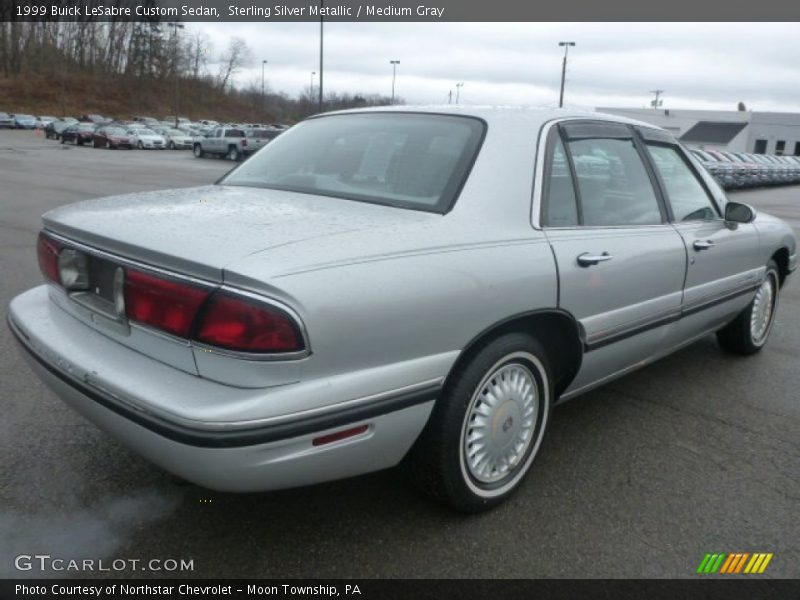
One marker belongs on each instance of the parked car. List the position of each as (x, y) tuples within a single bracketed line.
[(97, 119), (111, 138), (176, 139), (228, 142), (148, 121), (43, 121), (79, 134), (6, 121), (400, 283), (722, 171), (146, 139), (257, 138), (24, 121)]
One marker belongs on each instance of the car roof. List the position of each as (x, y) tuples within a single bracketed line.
[(536, 116)]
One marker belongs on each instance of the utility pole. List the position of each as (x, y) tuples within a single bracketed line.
[(176, 27), (311, 89), (656, 102), (263, 97), (459, 85), (564, 71), (321, 37), (394, 64), (450, 97)]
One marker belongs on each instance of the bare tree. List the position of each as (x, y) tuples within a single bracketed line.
[(235, 57)]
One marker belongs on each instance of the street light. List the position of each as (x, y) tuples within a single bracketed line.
[(176, 27), (394, 64), (459, 85), (564, 70), (263, 97)]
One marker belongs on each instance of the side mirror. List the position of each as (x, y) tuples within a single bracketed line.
[(736, 212)]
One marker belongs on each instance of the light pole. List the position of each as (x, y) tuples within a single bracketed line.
[(564, 71), (656, 102), (321, 37), (311, 89), (176, 26), (459, 85), (394, 64), (263, 97)]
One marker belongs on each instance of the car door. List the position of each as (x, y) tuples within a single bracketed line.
[(621, 264), (722, 258)]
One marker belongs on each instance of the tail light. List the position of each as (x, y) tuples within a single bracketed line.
[(47, 252), (245, 325), (217, 318), (244, 143), (162, 303)]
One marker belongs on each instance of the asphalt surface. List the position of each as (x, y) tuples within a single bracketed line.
[(697, 453)]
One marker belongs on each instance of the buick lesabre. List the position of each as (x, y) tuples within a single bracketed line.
[(394, 285)]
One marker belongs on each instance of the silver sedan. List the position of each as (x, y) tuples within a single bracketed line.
[(398, 284)]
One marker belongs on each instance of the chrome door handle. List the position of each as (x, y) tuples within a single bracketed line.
[(703, 244), (587, 260)]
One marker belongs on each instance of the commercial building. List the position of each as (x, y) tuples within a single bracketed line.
[(738, 131)]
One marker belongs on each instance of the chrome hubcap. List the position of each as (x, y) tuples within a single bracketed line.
[(500, 423), (763, 308)]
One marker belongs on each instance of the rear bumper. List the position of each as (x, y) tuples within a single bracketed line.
[(274, 454)]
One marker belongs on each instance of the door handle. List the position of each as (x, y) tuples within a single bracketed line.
[(587, 260), (703, 244)]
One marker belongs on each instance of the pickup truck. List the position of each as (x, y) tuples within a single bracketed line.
[(230, 143)]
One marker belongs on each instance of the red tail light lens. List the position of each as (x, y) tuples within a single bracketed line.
[(245, 325), (162, 303), (47, 251)]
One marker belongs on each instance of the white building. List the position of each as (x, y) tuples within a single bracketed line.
[(738, 131)]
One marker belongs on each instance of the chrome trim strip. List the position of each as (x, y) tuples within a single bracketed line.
[(116, 258)]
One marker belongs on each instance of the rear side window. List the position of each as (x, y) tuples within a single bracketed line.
[(560, 206), (407, 160), (234, 133), (686, 195), (613, 185)]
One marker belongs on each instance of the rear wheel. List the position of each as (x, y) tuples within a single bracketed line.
[(748, 333), (233, 153), (487, 426), (171, 145)]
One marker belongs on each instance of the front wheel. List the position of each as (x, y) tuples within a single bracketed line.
[(140, 146), (198, 151), (487, 426), (171, 145), (748, 332)]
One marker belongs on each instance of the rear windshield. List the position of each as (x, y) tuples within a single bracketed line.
[(263, 134), (407, 160)]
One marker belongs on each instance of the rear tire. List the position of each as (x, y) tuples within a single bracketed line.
[(233, 154), (486, 428), (748, 333)]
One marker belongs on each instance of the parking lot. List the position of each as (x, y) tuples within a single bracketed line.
[(697, 453)]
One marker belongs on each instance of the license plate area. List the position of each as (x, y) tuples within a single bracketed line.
[(104, 294)]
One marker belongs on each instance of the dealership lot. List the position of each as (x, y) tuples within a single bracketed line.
[(697, 453)]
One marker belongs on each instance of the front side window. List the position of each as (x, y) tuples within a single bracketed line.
[(613, 184), (416, 161), (686, 194)]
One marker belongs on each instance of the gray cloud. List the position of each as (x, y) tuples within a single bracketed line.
[(709, 65)]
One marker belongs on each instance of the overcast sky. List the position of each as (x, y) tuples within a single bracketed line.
[(699, 65)]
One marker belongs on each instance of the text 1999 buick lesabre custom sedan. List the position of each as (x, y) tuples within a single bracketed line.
[(379, 285)]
